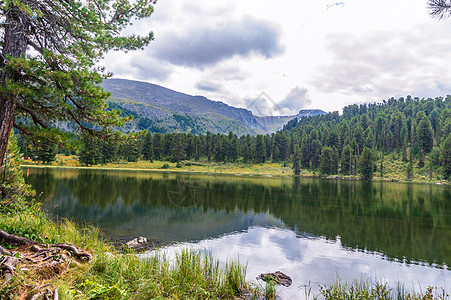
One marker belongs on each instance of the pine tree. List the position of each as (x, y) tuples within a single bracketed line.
[(296, 159), (346, 160), (90, 151), (366, 164), (147, 147), (259, 155), (446, 158), (45, 152), (329, 161), (49, 72), (158, 146), (13, 188), (425, 135)]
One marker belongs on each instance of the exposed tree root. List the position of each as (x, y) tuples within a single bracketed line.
[(45, 261)]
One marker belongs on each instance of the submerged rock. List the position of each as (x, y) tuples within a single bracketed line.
[(138, 243), (278, 277)]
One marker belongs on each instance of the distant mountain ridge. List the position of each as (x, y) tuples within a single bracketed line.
[(159, 109)]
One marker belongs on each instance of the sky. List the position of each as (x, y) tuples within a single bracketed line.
[(276, 58)]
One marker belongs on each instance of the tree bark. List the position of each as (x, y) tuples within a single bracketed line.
[(15, 45)]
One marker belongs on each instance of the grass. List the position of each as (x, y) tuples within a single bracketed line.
[(116, 275), (367, 290)]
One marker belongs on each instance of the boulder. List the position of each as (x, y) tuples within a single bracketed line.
[(137, 244), (278, 277)]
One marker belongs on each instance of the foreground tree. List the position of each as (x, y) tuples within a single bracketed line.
[(48, 71), (440, 8)]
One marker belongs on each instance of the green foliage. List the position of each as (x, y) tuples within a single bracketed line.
[(446, 158), (13, 189), (329, 161), (50, 72), (192, 275), (259, 153), (296, 158), (365, 290), (366, 164), (346, 160), (425, 135), (90, 153)]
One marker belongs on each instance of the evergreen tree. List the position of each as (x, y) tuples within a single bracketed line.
[(131, 147), (346, 160), (276, 154), (296, 159), (90, 152), (425, 135), (45, 152), (178, 149), (109, 149), (259, 155), (13, 188), (366, 164), (316, 154), (446, 158), (329, 161), (158, 146), (49, 62), (147, 147)]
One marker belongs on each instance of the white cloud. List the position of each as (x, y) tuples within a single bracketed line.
[(234, 51)]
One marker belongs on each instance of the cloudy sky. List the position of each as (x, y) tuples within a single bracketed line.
[(276, 58)]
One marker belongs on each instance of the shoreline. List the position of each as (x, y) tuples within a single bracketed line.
[(218, 170)]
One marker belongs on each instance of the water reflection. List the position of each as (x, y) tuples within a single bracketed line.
[(404, 222), (313, 261)]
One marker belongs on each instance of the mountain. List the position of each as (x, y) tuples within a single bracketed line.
[(159, 109)]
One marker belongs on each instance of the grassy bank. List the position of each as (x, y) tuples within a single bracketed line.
[(393, 169), (112, 275)]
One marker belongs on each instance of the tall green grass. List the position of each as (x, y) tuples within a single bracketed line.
[(192, 275), (368, 290)]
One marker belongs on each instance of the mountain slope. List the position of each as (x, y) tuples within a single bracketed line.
[(159, 109)]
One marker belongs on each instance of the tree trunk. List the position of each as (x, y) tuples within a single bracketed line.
[(14, 45)]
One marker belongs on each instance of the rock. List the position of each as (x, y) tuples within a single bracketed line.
[(137, 244), (278, 277)]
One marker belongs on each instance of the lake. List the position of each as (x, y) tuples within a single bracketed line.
[(314, 230)]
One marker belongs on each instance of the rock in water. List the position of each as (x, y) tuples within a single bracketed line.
[(138, 243), (278, 277)]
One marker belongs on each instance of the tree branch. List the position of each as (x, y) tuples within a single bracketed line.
[(33, 115), (439, 8)]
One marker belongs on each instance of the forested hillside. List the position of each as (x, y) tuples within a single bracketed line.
[(411, 129), (403, 134), (158, 109)]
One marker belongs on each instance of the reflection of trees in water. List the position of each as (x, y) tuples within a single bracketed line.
[(400, 220)]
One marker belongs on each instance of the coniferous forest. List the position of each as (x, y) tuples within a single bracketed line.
[(354, 143)]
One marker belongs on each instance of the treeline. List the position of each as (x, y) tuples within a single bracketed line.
[(353, 143)]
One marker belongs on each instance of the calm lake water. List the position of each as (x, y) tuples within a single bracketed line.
[(311, 229)]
